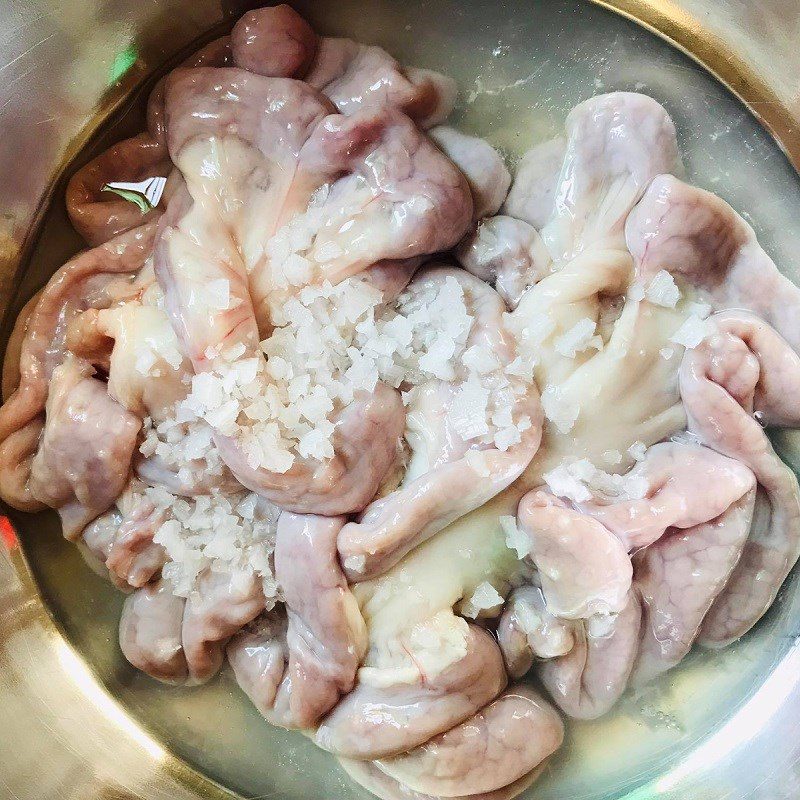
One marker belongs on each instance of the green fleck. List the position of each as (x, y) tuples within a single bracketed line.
[(132, 197), (123, 61)]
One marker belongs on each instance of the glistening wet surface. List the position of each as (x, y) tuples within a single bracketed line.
[(520, 67)]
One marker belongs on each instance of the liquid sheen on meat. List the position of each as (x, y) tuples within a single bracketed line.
[(387, 427)]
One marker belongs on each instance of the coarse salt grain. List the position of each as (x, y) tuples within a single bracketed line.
[(522, 367), (530, 333), (480, 359), (507, 437), (580, 337), (636, 292), (467, 412), (698, 308), (564, 484), (662, 290), (612, 456), (561, 412), (485, 598), (638, 451), (145, 361), (515, 539), (218, 294), (580, 480), (692, 332)]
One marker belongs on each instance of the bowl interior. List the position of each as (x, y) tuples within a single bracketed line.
[(520, 67)]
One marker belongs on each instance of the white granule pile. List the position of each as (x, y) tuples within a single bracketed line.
[(237, 400), (581, 480), (184, 448), (299, 248), (280, 408), (334, 342), (233, 534), (481, 410)]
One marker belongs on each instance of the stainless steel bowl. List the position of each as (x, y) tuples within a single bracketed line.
[(76, 722)]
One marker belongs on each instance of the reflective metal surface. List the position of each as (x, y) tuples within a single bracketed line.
[(76, 721)]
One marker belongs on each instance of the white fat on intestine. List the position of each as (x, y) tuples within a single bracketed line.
[(420, 589), (327, 339), (605, 403), (605, 381), (604, 398), (341, 339), (147, 370), (338, 340), (230, 532)]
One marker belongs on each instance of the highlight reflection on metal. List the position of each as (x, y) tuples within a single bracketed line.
[(63, 735), (75, 721), (7, 533), (149, 190), (123, 61), (743, 726), (83, 679), (695, 36)]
